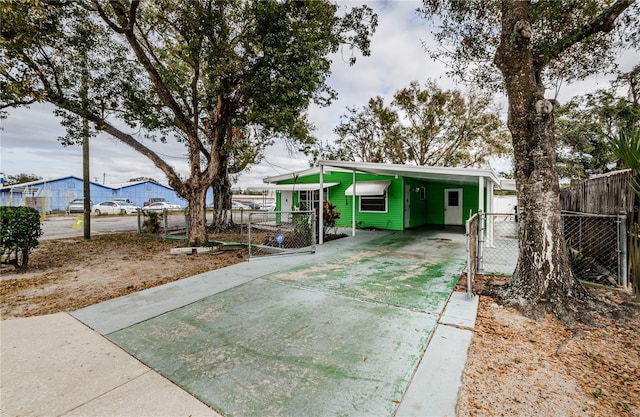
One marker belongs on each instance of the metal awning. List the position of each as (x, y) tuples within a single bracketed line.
[(302, 187), (367, 188)]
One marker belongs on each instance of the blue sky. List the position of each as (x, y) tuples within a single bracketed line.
[(28, 137)]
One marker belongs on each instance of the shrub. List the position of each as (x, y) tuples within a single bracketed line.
[(18, 235), (151, 224), (329, 216)]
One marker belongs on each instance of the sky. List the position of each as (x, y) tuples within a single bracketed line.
[(28, 136)]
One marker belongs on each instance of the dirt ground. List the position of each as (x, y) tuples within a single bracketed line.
[(516, 366), (68, 274)]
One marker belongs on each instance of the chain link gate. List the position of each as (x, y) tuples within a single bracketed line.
[(597, 245), (281, 232)]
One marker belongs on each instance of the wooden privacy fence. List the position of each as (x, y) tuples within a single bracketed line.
[(610, 193)]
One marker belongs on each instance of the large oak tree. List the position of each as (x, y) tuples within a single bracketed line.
[(223, 77), (533, 43)]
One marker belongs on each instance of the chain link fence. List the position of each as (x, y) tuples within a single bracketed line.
[(168, 223), (597, 245), (282, 232)]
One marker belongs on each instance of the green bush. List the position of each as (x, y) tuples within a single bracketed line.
[(151, 224), (18, 235)]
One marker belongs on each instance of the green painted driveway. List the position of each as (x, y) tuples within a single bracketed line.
[(340, 336)]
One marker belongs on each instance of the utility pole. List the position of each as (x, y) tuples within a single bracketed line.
[(85, 154)]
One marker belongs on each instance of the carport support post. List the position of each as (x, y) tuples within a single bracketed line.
[(353, 205), (321, 205)]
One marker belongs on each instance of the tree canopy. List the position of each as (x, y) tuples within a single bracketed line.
[(587, 125), (224, 77), (423, 125)]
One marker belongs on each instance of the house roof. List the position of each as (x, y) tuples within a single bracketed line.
[(427, 173), (18, 188), (302, 187)]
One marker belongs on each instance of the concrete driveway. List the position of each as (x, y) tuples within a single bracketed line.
[(340, 332)]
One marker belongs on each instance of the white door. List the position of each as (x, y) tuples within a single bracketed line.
[(407, 206), (286, 200), (453, 206)]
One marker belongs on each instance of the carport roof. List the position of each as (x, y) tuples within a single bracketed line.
[(427, 173)]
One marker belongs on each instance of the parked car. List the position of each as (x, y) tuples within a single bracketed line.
[(252, 205), (269, 205), (122, 200), (77, 206), (155, 200), (236, 205), (161, 206), (114, 207)]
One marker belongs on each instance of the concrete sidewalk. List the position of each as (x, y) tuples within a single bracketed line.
[(55, 365)]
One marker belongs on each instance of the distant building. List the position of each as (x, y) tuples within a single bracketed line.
[(55, 194)]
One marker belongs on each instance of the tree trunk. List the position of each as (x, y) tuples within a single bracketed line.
[(543, 279), (195, 191), (222, 218)]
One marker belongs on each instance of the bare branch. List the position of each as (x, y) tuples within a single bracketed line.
[(603, 23)]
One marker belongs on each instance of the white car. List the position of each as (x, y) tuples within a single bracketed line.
[(236, 205), (161, 206), (114, 207)]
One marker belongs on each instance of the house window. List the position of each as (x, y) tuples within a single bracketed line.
[(310, 200), (453, 197), (373, 203)]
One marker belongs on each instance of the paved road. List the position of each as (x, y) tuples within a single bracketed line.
[(56, 227)]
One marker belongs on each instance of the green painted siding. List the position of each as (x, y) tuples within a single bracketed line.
[(422, 212), (435, 196), (393, 219), (418, 208)]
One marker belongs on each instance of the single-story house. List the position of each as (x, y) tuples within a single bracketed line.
[(389, 196)]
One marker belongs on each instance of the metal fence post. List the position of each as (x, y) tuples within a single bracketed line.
[(139, 224), (187, 221), (249, 235), (313, 231), (166, 222), (481, 219), (623, 272)]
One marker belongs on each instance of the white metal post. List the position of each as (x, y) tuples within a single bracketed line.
[(353, 205), (321, 210)]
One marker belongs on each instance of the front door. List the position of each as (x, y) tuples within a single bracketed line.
[(407, 206), (286, 200), (453, 206)]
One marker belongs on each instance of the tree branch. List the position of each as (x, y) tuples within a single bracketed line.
[(163, 91), (106, 19), (604, 22)]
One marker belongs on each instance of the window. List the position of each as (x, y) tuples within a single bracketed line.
[(375, 203), (453, 197), (310, 199), (423, 193)]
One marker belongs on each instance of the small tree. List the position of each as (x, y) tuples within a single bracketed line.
[(329, 216), (18, 235)]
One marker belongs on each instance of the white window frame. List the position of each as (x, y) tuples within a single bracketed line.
[(386, 203)]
